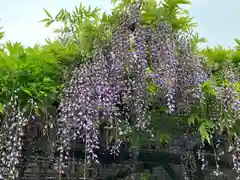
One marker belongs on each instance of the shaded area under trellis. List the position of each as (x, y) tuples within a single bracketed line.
[(39, 158), (40, 167)]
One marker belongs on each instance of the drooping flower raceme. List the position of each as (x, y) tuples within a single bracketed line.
[(11, 143), (112, 88)]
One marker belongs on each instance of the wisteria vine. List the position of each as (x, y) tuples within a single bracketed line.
[(118, 77), (112, 89)]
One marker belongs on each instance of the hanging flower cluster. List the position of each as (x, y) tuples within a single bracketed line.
[(118, 77), (222, 109), (12, 131), (235, 150), (96, 89)]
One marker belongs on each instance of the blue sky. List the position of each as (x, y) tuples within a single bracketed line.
[(218, 20)]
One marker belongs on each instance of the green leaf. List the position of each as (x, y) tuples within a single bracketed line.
[(1, 35), (59, 14), (114, 2), (237, 41), (184, 2), (152, 88), (1, 108), (49, 23), (45, 20), (204, 131), (47, 79), (27, 91), (36, 110), (191, 120), (48, 14), (163, 138)]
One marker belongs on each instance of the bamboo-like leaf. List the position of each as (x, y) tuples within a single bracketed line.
[(57, 17), (48, 14), (49, 23), (1, 35)]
